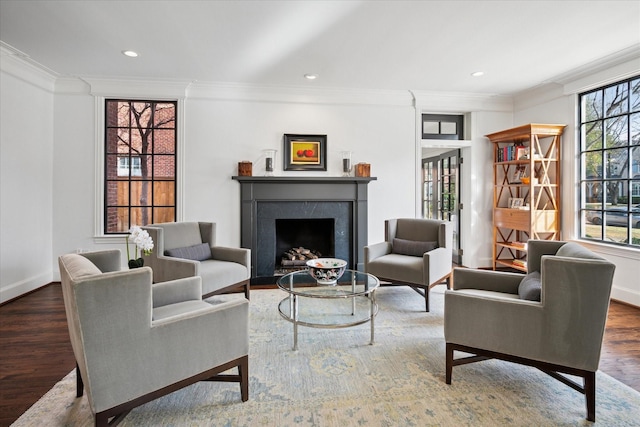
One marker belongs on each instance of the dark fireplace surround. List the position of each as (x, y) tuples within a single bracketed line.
[(332, 203)]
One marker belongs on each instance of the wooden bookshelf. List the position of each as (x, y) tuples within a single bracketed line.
[(526, 192)]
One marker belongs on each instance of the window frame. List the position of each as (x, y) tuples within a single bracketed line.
[(101, 92), (626, 185)]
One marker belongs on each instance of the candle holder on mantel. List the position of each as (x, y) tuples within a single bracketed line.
[(346, 163), (270, 156)]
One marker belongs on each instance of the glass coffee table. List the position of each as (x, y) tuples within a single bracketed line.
[(349, 302)]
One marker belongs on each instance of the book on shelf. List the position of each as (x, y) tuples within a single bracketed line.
[(522, 245), (510, 153), (520, 263)]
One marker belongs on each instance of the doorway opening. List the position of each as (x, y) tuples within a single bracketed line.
[(441, 193)]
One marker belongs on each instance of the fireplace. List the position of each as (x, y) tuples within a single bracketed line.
[(300, 239), (280, 212)]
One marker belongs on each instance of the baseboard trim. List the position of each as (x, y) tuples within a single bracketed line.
[(625, 296), (19, 289)]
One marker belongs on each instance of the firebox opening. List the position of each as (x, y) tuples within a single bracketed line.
[(316, 235)]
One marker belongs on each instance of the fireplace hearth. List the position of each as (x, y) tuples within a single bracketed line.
[(327, 214)]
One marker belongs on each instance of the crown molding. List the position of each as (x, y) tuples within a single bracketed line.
[(538, 95), (22, 67), (297, 94), (604, 77), (612, 67), (461, 102), (137, 88)]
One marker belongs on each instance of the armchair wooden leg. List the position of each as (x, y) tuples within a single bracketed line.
[(590, 395), (243, 371), (79, 383), (449, 363)]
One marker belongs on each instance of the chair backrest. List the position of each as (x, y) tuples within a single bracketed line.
[(425, 230), (74, 268), (182, 234), (94, 299)]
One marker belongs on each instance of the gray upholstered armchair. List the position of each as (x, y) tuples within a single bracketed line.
[(134, 341), (416, 252), (186, 249), (553, 318)]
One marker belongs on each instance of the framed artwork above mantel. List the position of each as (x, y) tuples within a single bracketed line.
[(305, 152)]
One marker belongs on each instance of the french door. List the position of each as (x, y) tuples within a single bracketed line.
[(441, 193)]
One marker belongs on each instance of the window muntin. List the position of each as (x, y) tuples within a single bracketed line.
[(610, 163), (140, 163)]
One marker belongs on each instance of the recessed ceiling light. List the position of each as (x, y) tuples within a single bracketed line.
[(477, 73), (310, 76), (130, 53)]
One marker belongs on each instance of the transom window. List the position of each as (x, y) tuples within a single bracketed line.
[(610, 163), (140, 163)]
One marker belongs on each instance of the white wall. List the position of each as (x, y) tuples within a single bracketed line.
[(74, 166), (222, 132), (555, 103), (26, 153), (477, 189)]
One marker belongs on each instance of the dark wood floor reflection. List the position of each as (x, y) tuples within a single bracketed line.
[(36, 352)]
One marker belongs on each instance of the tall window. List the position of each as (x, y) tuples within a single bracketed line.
[(610, 163), (140, 163)]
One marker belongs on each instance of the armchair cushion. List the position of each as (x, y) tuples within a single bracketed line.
[(574, 250), (530, 287), (83, 268), (200, 252), (412, 247)]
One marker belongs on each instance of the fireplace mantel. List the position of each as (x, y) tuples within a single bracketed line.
[(268, 190), (305, 179)]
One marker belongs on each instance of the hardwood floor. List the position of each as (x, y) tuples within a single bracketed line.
[(36, 352)]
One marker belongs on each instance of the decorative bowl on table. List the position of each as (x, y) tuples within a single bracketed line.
[(326, 271)]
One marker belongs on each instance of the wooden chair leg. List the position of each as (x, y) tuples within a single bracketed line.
[(449, 363), (79, 383), (590, 395), (247, 287), (243, 371)]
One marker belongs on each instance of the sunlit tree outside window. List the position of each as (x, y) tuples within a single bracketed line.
[(140, 163)]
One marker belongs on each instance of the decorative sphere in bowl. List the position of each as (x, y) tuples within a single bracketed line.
[(326, 271)]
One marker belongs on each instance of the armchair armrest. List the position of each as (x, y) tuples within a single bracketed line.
[(233, 312), (168, 268), (497, 281), (175, 291), (376, 250), (437, 264), (505, 325), (239, 255)]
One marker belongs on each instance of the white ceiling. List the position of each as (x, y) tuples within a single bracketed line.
[(390, 45)]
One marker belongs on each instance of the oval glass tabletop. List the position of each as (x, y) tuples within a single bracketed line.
[(352, 283)]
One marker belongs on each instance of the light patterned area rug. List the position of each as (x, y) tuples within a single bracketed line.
[(337, 379)]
